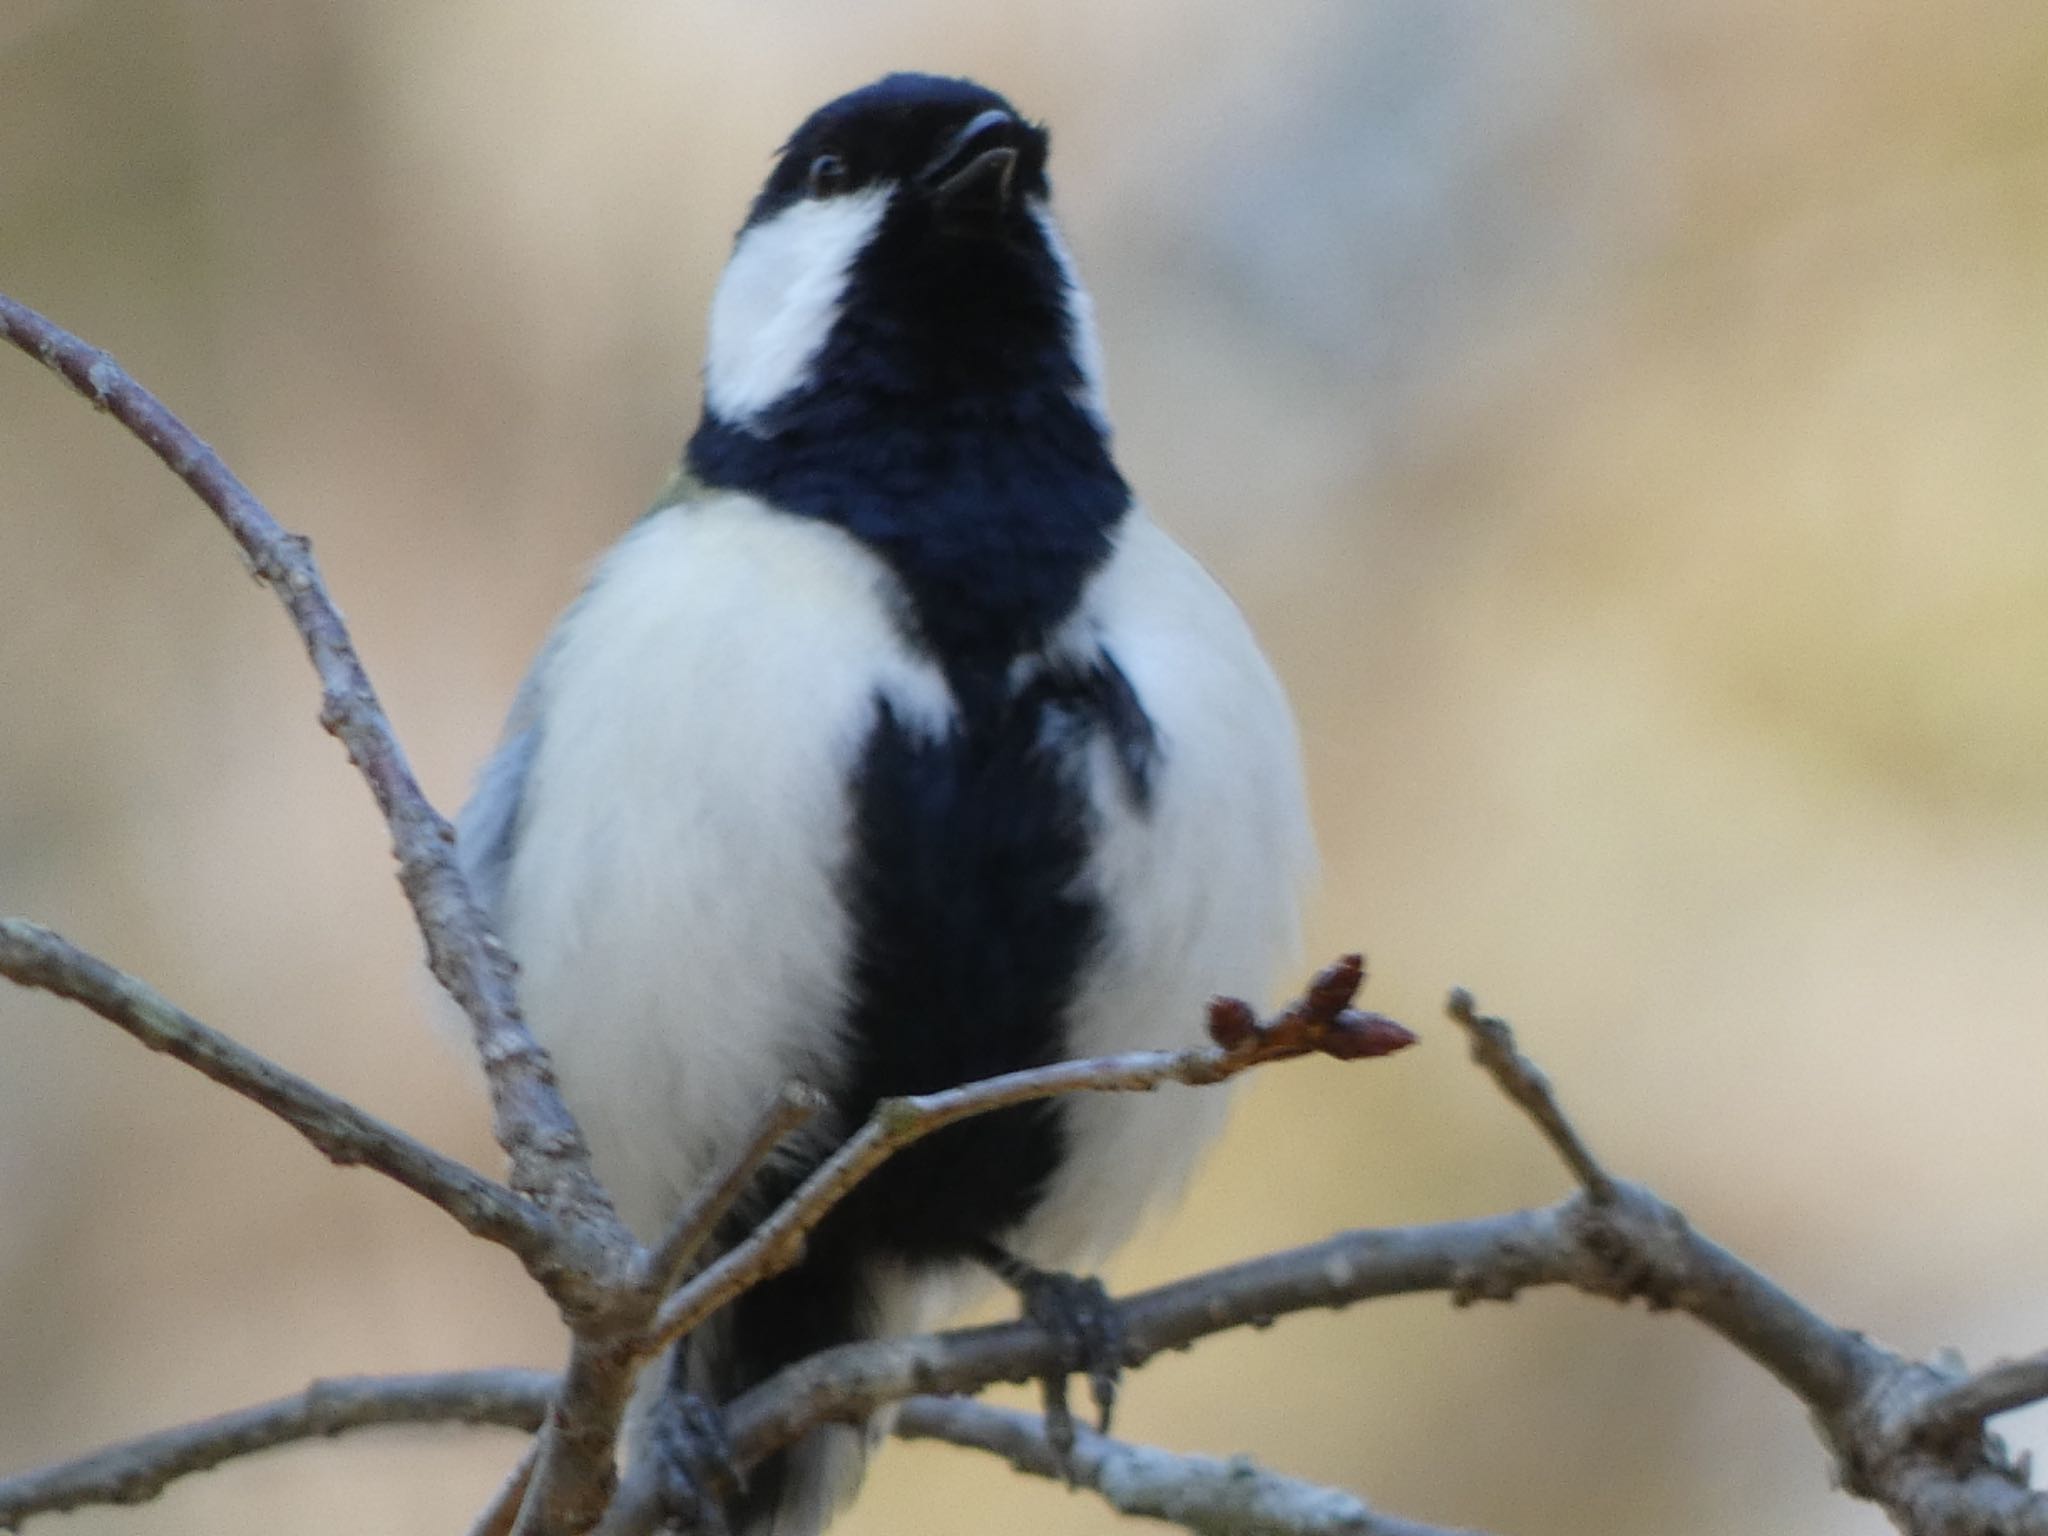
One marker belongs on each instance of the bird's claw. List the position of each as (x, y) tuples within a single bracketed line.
[(1076, 1310), (695, 1461)]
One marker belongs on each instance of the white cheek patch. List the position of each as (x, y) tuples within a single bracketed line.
[(780, 297), (1082, 340)]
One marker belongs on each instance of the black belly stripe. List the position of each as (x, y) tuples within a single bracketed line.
[(972, 931)]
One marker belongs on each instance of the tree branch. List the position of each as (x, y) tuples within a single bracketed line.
[(1613, 1240), (502, 1513), (569, 1476), (849, 1383), (1321, 1021), (575, 1465), (794, 1106), (1493, 1048), (1214, 1498), (1904, 1435), (33, 956), (1872, 1405), (1962, 1408), (548, 1157), (136, 1471)]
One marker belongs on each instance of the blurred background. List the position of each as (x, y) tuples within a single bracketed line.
[(1624, 424)]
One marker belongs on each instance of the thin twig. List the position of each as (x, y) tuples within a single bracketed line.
[(1236, 1497), (575, 1482), (794, 1105), (1322, 1022), (1900, 1431), (136, 1471), (1493, 1047), (548, 1157), (1963, 1407), (499, 1516), (33, 956)]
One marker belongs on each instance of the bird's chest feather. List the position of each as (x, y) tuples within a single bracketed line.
[(976, 923), (760, 834)]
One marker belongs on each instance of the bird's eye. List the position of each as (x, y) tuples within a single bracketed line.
[(828, 175)]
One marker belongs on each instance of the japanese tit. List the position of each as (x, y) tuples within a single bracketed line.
[(895, 747)]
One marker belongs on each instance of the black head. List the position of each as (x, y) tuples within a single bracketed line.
[(903, 243), (964, 157), (899, 346)]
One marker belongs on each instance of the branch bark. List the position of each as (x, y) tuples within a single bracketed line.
[(1963, 1407), (548, 1157), (1236, 1497), (33, 956), (135, 1471), (669, 1260), (1875, 1409)]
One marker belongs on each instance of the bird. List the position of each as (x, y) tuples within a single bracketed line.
[(894, 748)]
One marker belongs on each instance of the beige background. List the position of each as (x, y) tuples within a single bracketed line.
[(1625, 424)]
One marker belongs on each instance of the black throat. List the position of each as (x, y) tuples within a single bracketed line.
[(943, 425)]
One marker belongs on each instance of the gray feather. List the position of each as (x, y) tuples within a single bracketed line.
[(487, 831)]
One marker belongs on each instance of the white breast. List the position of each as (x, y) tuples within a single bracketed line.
[(674, 894), (672, 900), (1201, 893)]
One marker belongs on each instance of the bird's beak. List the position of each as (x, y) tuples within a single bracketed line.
[(970, 178)]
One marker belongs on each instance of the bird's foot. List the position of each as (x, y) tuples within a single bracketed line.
[(695, 1463), (1076, 1310)]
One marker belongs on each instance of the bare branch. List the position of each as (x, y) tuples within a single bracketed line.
[(1321, 1022), (136, 1471), (549, 1159), (573, 1459), (1900, 1431), (847, 1384), (1869, 1402), (33, 956), (575, 1472), (1962, 1408), (1216, 1498), (499, 1516), (793, 1106), (1493, 1047), (1635, 1246)]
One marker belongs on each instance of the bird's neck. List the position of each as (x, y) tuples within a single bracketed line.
[(991, 500)]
